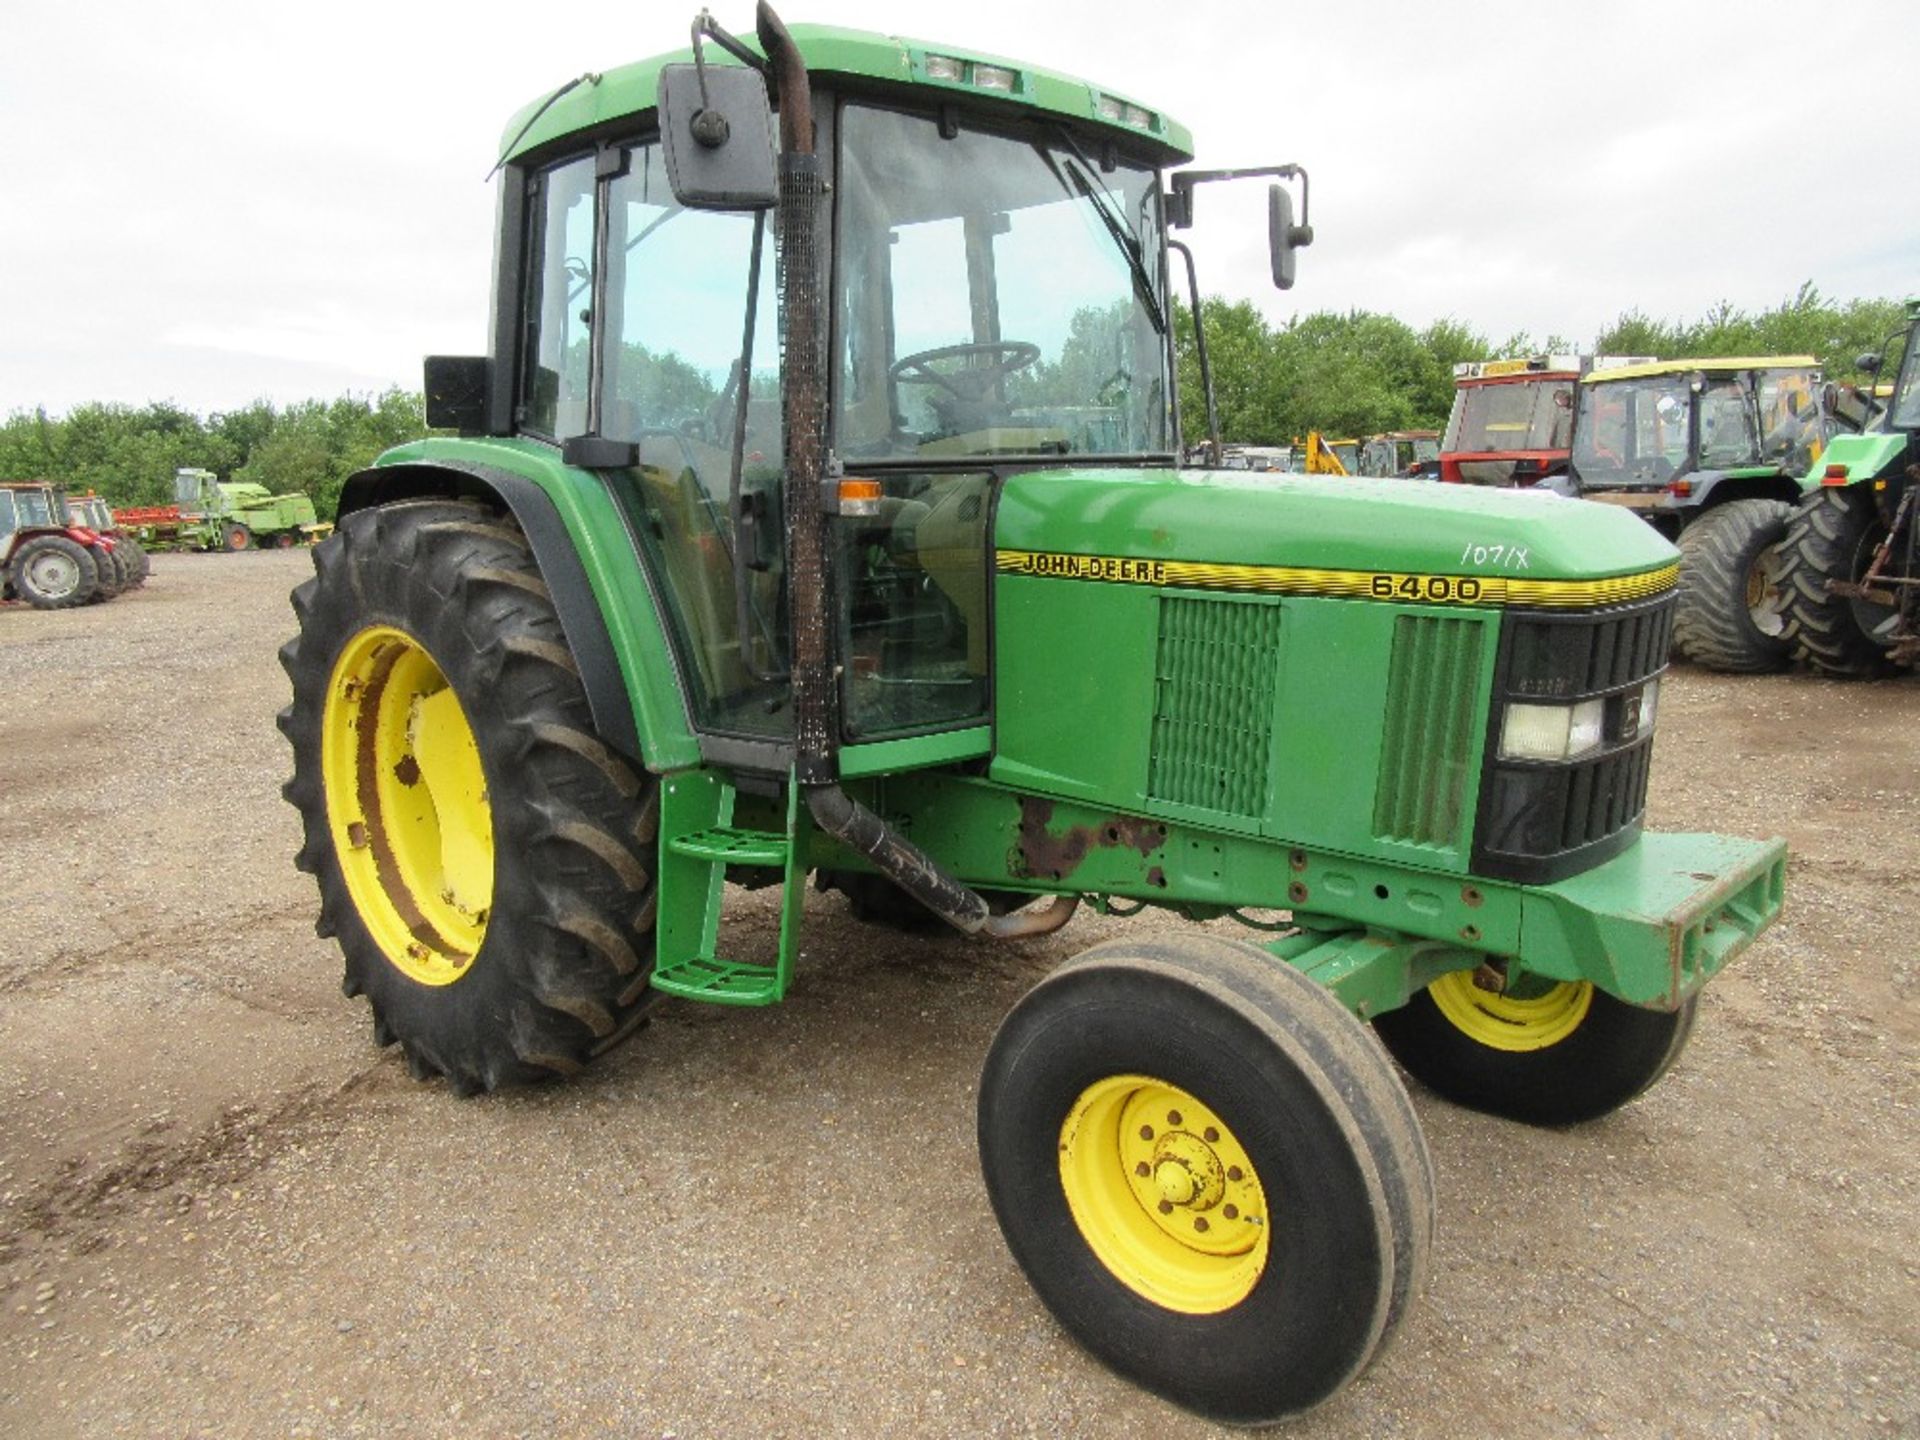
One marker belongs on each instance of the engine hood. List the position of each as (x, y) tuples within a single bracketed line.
[(1208, 524)]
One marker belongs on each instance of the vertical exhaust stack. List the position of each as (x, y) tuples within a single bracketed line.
[(803, 361)]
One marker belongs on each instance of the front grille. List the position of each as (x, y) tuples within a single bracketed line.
[(1540, 821)]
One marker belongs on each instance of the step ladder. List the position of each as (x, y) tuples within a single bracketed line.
[(698, 841)]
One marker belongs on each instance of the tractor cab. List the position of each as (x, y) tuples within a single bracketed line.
[(1666, 437)]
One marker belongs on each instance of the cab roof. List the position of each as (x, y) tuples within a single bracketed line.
[(597, 100), (1718, 365)]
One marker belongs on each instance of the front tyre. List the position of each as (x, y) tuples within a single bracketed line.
[(1542, 1052), (53, 572), (1208, 1171), (1728, 616), (483, 857)]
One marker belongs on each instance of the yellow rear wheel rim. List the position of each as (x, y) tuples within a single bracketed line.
[(1511, 1022), (1164, 1194), (407, 805)]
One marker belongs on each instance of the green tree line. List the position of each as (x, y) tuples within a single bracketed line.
[(1358, 373), (128, 453)]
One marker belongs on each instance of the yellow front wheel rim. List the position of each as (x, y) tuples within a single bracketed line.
[(1512, 1022), (407, 805), (1164, 1194)]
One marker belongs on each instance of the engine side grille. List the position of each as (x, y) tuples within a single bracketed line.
[(1214, 682), (1433, 689)]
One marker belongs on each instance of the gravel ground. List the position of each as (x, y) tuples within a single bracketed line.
[(225, 1212)]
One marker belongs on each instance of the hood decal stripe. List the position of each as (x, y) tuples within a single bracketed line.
[(1422, 589)]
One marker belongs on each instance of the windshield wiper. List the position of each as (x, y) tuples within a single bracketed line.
[(1125, 241)]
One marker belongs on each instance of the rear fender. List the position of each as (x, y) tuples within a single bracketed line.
[(590, 565)]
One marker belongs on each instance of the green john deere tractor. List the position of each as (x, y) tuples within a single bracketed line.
[(818, 512), (1849, 568), (1711, 453)]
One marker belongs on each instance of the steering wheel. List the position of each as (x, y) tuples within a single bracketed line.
[(975, 381)]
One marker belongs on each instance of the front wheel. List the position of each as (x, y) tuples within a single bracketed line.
[(484, 858), (1543, 1052), (238, 537), (1728, 616), (1208, 1171)]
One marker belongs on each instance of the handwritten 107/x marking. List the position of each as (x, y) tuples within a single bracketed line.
[(1499, 557)]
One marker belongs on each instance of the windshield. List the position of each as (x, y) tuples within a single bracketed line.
[(34, 509), (1631, 432), (1534, 414), (1793, 428), (997, 296), (1905, 414)]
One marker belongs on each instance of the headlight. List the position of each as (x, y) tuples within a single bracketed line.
[(1552, 732), (1571, 732)]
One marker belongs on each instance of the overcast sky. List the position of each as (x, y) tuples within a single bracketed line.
[(214, 202)]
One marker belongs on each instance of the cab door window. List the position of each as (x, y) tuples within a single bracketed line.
[(558, 310), (675, 382)]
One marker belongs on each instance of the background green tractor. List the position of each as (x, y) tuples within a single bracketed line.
[(1712, 454), (1849, 568), (818, 512)]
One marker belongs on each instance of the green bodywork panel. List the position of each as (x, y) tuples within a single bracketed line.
[(592, 516), (828, 51), (1104, 686), (1866, 457)]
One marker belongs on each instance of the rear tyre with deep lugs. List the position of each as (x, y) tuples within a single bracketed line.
[(484, 858)]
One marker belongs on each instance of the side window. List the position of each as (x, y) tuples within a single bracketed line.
[(677, 286), (558, 313), (8, 522)]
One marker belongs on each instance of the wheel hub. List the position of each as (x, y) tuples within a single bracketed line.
[(1530, 1014), (407, 805), (1164, 1194)]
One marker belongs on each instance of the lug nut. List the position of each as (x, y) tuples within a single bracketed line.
[(1166, 1207), (1232, 1212), (1236, 1174), (1173, 1117), (1143, 1170), (1200, 1224), (1146, 1132), (1212, 1136)]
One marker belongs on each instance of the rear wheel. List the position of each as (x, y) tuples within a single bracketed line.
[(484, 858), (237, 537), (52, 572), (1833, 536), (1209, 1172), (284, 540), (1729, 612), (1544, 1052)]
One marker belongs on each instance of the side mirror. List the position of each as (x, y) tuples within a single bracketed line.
[(1283, 236), (457, 387), (716, 132), (1870, 363)]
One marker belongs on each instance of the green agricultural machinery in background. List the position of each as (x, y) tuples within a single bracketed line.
[(1712, 454), (818, 512), (209, 513), (1848, 570)]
